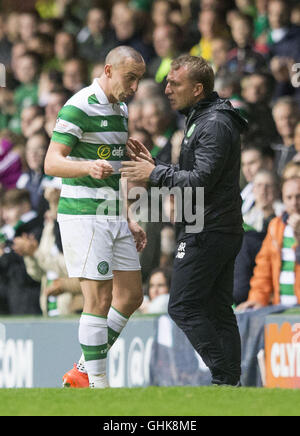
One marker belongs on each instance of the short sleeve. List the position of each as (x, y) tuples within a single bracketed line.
[(68, 129)]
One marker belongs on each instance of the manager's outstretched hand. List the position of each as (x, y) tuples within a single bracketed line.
[(137, 172), (137, 151), (139, 169)]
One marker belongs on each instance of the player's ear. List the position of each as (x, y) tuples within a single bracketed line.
[(108, 70)]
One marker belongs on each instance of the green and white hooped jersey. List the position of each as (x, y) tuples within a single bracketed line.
[(94, 129)]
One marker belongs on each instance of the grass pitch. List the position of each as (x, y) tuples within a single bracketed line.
[(151, 401)]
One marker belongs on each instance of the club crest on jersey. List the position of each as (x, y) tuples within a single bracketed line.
[(103, 268)]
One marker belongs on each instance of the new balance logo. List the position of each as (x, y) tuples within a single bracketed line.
[(181, 250)]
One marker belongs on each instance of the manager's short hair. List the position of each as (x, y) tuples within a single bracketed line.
[(199, 71)]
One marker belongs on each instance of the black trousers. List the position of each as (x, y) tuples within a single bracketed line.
[(201, 299)]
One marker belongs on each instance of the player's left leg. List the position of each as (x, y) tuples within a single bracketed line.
[(127, 298)]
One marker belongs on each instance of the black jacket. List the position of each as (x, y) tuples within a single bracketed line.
[(210, 158)]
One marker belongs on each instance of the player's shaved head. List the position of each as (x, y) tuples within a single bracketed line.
[(120, 54), (124, 68)]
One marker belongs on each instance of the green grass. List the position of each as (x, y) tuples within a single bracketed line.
[(152, 401)]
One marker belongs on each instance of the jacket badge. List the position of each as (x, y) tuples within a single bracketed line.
[(191, 131)]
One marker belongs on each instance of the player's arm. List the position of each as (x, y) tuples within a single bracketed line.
[(57, 164)]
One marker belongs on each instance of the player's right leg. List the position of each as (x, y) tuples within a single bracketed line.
[(93, 332), (88, 252)]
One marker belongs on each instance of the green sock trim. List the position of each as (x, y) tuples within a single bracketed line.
[(124, 316), (112, 336), (97, 316), (94, 352)]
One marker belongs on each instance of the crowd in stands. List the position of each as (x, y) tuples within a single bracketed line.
[(53, 48)]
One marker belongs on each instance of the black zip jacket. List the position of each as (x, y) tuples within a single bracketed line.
[(210, 158)]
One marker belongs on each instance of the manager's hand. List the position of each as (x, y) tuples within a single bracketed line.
[(137, 151), (138, 171)]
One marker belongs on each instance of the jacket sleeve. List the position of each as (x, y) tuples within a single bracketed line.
[(261, 284), (211, 150)]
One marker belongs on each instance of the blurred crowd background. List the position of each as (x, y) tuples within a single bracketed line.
[(53, 48)]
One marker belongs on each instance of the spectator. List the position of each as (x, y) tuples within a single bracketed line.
[(286, 114), (266, 201), (21, 292), (148, 88), (160, 12), (166, 41), (210, 27), (284, 38), (253, 158), (291, 170), (10, 163), (276, 275), (32, 120), (297, 142), (261, 22), (7, 107), (96, 39), (257, 93), (97, 70), (26, 94), (41, 44), (31, 179), (135, 114), (284, 43), (295, 15), (219, 55), (49, 80), (124, 23), (45, 262), (64, 50), (158, 120), (27, 25), (5, 44), (12, 26), (75, 74), (57, 98), (158, 292), (244, 58)]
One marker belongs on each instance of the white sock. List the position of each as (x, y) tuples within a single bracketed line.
[(98, 381), (93, 340), (115, 324), (80, 364)]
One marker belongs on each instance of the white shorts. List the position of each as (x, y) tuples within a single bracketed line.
[(94, 248)]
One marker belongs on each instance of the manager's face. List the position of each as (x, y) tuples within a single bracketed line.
[(180, 89)]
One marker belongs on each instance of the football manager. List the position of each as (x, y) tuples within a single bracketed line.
[(202, 281)]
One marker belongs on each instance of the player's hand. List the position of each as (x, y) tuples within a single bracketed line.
[(100, 169), (139, 235), (137, 151)]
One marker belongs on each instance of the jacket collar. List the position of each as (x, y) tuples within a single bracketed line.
[(200, 105)]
